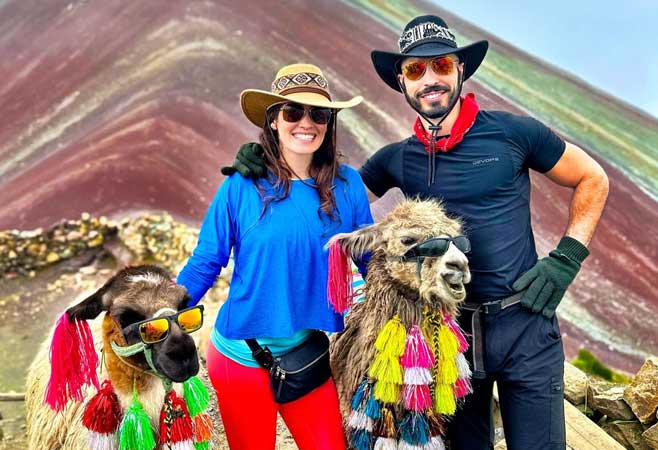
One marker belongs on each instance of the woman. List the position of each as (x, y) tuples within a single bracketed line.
[(277, 228)]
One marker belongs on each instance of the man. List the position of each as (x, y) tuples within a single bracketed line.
[(477, 162)]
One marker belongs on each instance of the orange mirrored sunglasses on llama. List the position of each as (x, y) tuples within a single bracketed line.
[(152, 331)]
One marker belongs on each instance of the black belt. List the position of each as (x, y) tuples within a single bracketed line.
[(478, 309)]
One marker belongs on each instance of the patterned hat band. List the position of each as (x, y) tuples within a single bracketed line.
[(301, 82), (427, 31)]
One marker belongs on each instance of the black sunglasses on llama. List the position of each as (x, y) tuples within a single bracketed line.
[(434, 247), (152, 331)]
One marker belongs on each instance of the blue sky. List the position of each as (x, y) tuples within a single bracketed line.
[(610, 45)]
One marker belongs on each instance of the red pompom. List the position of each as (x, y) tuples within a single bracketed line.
[(73, 362), (175, 422), (339, 280), (103, 411)]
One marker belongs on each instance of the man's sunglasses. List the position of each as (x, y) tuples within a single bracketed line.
[(294, 112), (152, 331), (442, 65), (435, 247)]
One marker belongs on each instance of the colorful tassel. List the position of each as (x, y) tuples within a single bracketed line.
[(102, 416), (359, 421), (462, 388), (387, 392), (416, 352), (391, 338), (135, 432), (385, 426), (386, 368), (196, 396), (444, 399), (383, 443), (463, 368), (202, 446), (175, 423), (457, 331), (435, 443), (414, 429), (361, 394), (417, 397), (361, 439), (373, 408), (339, 280), (73, 362), (203, 428), (417, 375), (435, 423)]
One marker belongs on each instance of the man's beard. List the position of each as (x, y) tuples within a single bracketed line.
[(436, 109)]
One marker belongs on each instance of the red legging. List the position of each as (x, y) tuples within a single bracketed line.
[(248, 409)]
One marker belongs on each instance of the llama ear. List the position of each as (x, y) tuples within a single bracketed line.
[(359, 242), (93, 305)]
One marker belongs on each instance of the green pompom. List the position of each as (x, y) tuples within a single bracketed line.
[(196, 396), (135, 431), (201, 446)]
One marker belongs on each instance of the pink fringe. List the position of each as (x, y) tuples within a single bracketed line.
[(417, 397), (462, 387), (457, 331), (416, 351), (73, 362), (339, 280)]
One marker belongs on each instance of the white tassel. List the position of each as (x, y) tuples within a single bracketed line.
[(183, 445), (383, 443), (359, 421), (105, 441), (463, 368), (417, 376), (404, 445), (435, 443)]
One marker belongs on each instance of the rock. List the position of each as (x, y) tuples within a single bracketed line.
[(608, 399), (87, 270), (651, 437), (52, 257), (642, 394), (575, 384), (628, 434)]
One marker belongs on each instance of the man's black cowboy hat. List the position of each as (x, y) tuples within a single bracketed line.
[(427, 36)]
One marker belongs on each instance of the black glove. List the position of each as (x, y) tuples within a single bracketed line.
[(549, 279), (249, 162)]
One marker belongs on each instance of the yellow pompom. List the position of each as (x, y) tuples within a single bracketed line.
[(447, 372), (387, 392), (392, 337), (444, 399), (448, 344), (386, 368)]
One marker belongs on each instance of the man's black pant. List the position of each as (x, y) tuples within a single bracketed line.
[(523, 353)]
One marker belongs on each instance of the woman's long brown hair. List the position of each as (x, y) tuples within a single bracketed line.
[(323, 170)]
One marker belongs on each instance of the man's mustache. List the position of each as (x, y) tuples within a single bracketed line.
[(433, 88)]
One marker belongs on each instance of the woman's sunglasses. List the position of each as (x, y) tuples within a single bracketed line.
[(294, 112), (442, 65), (434, 247), (152, 331)]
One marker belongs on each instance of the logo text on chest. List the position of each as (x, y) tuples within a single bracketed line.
[(486, 161)]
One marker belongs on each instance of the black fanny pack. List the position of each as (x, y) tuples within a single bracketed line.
[(299, 371)]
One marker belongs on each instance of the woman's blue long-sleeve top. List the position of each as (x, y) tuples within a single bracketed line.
[(279, 283)]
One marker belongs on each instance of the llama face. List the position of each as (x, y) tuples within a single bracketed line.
[(136, 294), (438, 280)]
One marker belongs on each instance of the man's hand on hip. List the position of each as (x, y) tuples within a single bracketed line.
[(548, 280), (249, 162)]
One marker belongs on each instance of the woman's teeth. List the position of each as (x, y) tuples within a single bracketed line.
[(304, 137)]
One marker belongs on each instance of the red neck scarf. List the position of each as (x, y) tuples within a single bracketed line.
[(465, 120)]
